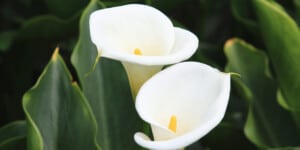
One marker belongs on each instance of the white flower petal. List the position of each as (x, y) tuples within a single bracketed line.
[(119, 30), (186, 43), (195, 93), (142, 38), (124, 28)]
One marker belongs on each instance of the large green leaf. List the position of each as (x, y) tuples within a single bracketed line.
[(282, 39), (107, 90), (268, 125), (12, 136), (59, 117)]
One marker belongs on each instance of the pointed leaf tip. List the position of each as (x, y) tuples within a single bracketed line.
[(230, 42), (74, 83), (55, 53)]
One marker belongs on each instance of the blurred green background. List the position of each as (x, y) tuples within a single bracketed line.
[(259, 39)]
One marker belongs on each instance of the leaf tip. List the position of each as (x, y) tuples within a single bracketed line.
[(230, 42), (55, 53), (235, 74)]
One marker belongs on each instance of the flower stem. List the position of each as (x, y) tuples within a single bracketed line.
[(138, 75)]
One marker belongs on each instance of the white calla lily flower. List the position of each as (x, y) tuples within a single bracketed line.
[(182, 103), (142, 38)]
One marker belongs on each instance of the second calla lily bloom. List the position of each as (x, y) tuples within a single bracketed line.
[(182, 104), (142, 38)]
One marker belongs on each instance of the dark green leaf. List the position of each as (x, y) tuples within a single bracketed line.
[(282, 38), (59, 117), (241, 10), (65, 8), (6, 39), (12, 136), (226, 137), (48, 27), (263, 126), (110, 3), (107, 89), (297, 10), (166, 5)]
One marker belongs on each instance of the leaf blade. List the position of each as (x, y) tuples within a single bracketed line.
[(12, 135), (282, 38), (106, 87), (262, 127), (57, 113)]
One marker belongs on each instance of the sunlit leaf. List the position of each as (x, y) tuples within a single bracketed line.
[(268, 125), (282, 39)]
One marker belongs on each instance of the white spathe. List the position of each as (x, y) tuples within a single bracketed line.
[(119, 32), (195, 93)]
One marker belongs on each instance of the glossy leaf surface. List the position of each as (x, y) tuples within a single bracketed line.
[(263, 126), (58, 115)]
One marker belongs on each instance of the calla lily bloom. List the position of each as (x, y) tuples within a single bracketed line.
[(142, 38), (182, 104)]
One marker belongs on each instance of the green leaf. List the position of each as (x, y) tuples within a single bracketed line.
[(166, 5), (6, 39), (297, 10), (106, 87), (282, 39), (224, 136), (48, 27), (247, 25), (263, 126), (12, 136), (58, 115), (65, 8), (110, 3), (241, 10)]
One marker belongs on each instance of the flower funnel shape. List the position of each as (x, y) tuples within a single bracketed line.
[(142, 38), (182, 104)]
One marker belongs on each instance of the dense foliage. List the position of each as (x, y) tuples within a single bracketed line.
[(257, 39)]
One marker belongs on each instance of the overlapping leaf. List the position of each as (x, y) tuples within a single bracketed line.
[(242, 12), (12, 136), (282, 39), (266, 124), (59, 117), (107, 90)]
